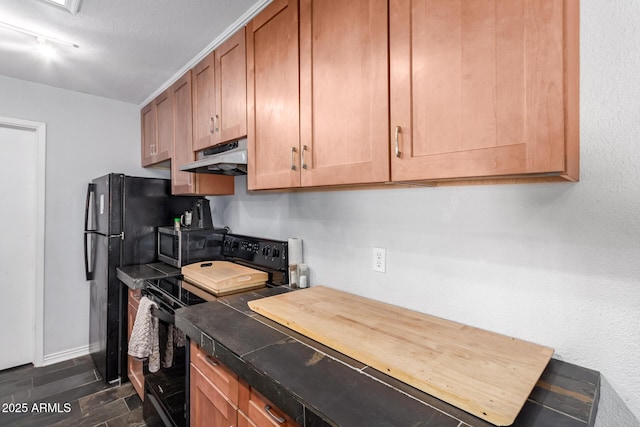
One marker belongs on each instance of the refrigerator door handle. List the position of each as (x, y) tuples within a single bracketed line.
[(91, 190), (90, 274)]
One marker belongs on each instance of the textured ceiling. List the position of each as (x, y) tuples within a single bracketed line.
[(128, 48)]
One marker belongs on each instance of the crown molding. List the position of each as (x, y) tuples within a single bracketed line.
[(237, 25)]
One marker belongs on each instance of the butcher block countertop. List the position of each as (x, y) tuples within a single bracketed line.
[(318, 386), (484, 373)]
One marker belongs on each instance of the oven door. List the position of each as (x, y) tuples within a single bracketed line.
[(165, 390)]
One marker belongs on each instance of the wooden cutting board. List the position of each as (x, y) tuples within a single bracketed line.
[(486, 374), (223, 277)]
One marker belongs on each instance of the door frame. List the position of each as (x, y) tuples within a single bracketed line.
[(40, 131)]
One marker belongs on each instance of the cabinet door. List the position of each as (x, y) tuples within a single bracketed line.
[(182, 182), (273, 105), (164, 126), (230, 69), (156, 120), (185, 182), (203, 103), (134, 366), (344, 92), (208, 406), (148, 128), (479, 88)]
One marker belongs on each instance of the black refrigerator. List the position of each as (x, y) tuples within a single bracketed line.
[(122, 214)]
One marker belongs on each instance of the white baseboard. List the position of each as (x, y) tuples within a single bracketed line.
[(61, 356)]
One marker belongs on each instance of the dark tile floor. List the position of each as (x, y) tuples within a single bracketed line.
[(69, 393)]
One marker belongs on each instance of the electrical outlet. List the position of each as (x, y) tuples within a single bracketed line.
[(379, 260)]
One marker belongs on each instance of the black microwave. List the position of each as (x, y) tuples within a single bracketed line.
[(189, 245)]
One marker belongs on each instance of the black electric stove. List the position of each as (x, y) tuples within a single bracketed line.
[(167, 391)]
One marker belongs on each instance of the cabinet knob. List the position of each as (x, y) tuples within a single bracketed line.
[(293, 160), (398, 141)]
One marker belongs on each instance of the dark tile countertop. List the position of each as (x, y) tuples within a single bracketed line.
[(134, 275), (318, 386)]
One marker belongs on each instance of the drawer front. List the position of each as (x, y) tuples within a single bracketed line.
[(263, 414), (224, 379)]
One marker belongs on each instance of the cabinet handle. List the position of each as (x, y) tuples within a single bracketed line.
[(304, 164), (210, 361), (397, 141), (215, 123), (211, 125), (275, 417), (293, 159)]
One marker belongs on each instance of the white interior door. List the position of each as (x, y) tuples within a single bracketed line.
[(19, 244)]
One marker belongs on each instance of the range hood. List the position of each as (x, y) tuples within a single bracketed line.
[(224, 159)]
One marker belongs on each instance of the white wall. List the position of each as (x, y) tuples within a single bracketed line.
[(557, 264), (87, 137)]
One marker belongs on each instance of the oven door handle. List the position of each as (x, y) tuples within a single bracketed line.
[(163, 315)]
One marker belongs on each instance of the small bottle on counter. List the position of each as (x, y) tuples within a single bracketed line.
[(303, 275), (293, 276), (176, 224)]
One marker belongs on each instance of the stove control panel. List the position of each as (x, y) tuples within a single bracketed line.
[(266, 253)]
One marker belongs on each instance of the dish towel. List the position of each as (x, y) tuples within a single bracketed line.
[(144, 340), (174, 338)]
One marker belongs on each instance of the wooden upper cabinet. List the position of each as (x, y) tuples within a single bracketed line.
[(157, 130), (318, 114), (220, 94), (230, 71), (164, 135), (148, 128), (484, 89), (273, 92), (344, 92), (184, 183), (203, 103)]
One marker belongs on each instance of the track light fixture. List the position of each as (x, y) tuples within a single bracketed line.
[(41, 38)]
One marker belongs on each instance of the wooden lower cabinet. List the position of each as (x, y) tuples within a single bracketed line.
[(208, 405), (213, 391), (219, 398), (244, 421), (134, 366), (257, 411)]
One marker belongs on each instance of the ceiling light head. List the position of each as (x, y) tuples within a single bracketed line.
[(45, 49)]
